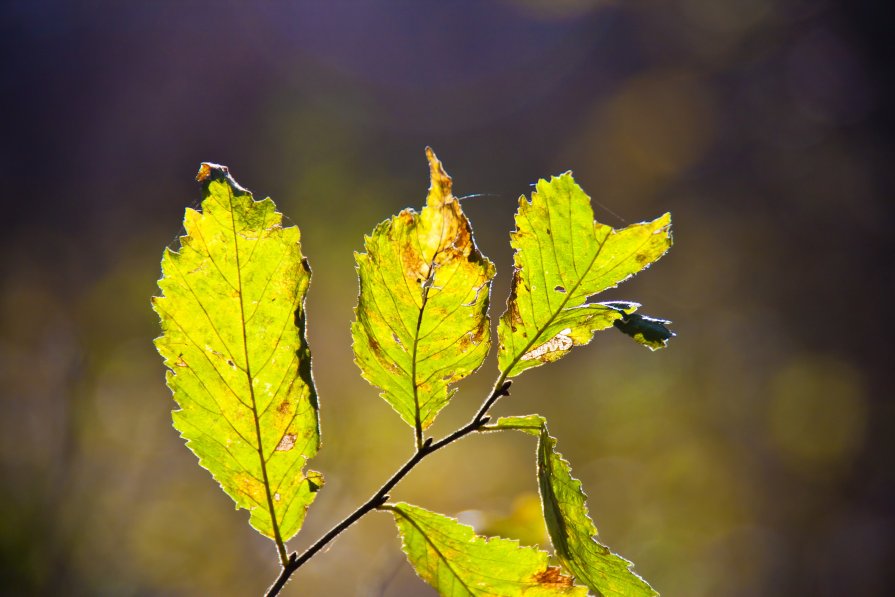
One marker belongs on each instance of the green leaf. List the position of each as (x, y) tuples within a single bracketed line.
[(571, 530), (421, 320), (232, 315), (562, 258), (531, 424), (458, 563)]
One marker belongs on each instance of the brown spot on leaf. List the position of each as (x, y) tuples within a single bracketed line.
[(204, 172), (414, 265), (286, 443), (207, 171), (553, 577), (250, 486), (406, 215), (463, 237), (464, 343), (559, 289), (513, 308), (482, 330), (283, 408)]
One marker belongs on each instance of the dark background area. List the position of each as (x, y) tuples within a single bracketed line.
[(752, 457)]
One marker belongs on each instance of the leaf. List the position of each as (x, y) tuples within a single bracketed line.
[(458, 563), (563, 257), (421, 320), (649, 331), (571, 530), (233, 321), (531, 424)]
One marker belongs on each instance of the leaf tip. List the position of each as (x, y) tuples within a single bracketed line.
[(210, 172), (440, 182), (208, 169)]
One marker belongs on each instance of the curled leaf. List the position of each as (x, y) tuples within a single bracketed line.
[(649, 331)]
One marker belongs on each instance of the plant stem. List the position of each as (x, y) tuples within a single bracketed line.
[(295, 561)]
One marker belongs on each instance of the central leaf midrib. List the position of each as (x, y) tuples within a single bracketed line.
[(418, 423), (248, 371), (435, 547), (559, 310)]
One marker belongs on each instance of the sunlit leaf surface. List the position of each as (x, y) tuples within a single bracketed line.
[(571, 530), (421, 320), (562, 258), (232, 315), (458, 563), (532, 424)]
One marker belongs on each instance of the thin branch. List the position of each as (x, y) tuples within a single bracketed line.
[(295, 561)]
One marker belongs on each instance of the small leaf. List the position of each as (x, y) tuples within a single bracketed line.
[(571, 530), (531, 424), (421, 320), (232, 316), (649, 331), (562, 258), (458, 563)]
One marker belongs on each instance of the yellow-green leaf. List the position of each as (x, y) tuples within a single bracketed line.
[(573, 533), (233, 322), (562, 258), (421, 320), (571, 529), (531, 424), (458, 563)]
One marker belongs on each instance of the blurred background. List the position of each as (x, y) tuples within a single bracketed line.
[(749, 458)]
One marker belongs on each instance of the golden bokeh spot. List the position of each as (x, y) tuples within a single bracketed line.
[(656, 126), (661, 122), (817, 415), (729, 17)]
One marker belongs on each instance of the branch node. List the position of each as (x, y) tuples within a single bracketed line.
[(505, 388)]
